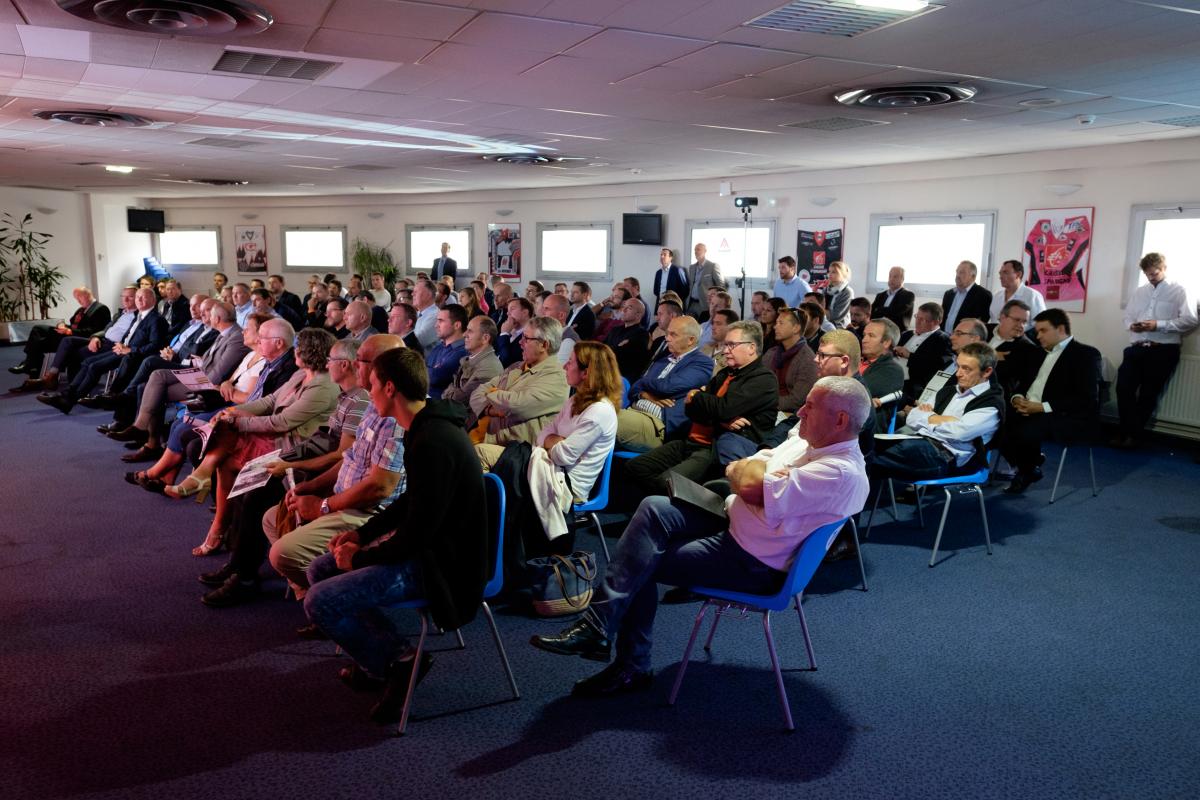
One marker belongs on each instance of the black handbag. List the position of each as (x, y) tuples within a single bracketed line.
[(562, 584)]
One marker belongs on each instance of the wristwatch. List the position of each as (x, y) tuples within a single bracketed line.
[(325, 507)]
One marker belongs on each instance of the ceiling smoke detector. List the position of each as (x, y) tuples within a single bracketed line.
[(906, 96), (95, 118), (174, 17)]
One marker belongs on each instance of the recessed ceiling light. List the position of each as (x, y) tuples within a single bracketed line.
[(894, 5), (117, 168), (738, 130), (1039, 102)]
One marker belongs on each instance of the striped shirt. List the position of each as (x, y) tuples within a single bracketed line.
[(379, 443), (349, 412)]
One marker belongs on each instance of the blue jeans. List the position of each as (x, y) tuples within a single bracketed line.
[(347, 606), (913, 460), (674, 544)]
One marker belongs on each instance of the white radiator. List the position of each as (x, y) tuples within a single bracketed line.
[(1180, 403)]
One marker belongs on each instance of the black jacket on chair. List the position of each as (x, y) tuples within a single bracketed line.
[(976, 305)]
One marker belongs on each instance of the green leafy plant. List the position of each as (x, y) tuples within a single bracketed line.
[(28, 281), (368, 258)]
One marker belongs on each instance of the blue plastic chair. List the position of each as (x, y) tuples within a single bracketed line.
[(972, 483), (598, 502), (624, 392), (805, 564), (496, 507)]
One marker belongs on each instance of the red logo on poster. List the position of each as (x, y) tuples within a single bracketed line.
[(1057, 255), (818, 258), (819, 238)]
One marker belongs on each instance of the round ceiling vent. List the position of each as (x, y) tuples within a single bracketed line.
[(905, 96), (99, 119), (217, 181), (175, 17)]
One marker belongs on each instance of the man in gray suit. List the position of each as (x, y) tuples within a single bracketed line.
[(480, 366), (164, 387), (702, 276)]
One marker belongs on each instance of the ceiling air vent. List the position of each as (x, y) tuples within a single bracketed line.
[(1180, 122), (833, 17), (301, 69), (834, 124), (535, 159), (221, 141), (367, 167), (906, 96), (217, 181), (96, 118), (174, 17)]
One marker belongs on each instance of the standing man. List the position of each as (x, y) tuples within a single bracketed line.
[(895, 302), (1012, 280), (967, 298), (669, 278), (790, 287), (1159, 315), (442, 360), (445, 266), (702, 276)]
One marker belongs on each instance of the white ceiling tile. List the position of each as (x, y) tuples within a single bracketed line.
[(735, 59), (110, 75), (578, 70), (482, 60), (667, 79), (270, 92), (522, 33), (53, 69), (11, 66), (10, 41), (364, 45), (185, 56), (636, 50), (416, 20), (124, 50), (221, 87), (297, 12), (54, 43), (528, 7), (580, 10), (355, 73)]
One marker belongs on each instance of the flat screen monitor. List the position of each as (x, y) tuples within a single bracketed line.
[(642, 229), (146, 220)]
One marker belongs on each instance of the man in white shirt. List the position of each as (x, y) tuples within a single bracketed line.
[(556, 307), (780, 497), (1160, 314), (1012, 281), (424, 294), (790, 287)]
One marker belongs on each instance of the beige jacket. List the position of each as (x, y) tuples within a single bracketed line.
[(294, 411), (528, 399)]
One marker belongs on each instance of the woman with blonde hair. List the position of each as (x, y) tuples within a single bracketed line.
[(838, 294)]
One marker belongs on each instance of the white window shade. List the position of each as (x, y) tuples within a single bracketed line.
[(425, 245), (1176, 239), (929, 247), (582, 250), (193, 247), (314, 248)]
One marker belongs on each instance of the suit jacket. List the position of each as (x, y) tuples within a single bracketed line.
[(413, 343), (632, 348), (293, 411), (701, 277), (224, 356), (692, 372), (150, 336), (508, 349), (977, 304), (1071, 389), (1022, 358), (177, 315), (676, 282), (92, 319), (899, 312), (290, 300), (450, 268), (584, 322), (753, 394), (933, 354)]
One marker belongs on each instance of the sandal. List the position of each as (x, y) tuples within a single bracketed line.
[(191, 486), (206, 548)]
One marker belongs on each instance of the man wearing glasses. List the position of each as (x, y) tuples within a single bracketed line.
[(1016, 355), (743, 390)]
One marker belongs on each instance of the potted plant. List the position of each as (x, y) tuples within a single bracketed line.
[(29, 283), (368, 258)]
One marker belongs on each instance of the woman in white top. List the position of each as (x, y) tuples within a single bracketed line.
[(383, 298), (572, 448)]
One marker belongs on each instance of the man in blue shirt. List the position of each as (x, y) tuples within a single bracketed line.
[(790, 287), (442, 361)]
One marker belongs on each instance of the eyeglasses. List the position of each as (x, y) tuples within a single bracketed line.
[(331, 359), (731, 345), (962, 333), (822, 356), (1017, 319)]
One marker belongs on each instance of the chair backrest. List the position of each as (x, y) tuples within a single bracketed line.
[(808, 559), (892, 422), (598, 499), (624, 392), (494, 489)]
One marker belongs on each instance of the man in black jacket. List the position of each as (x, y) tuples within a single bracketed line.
[(927, 348), (1016, 356), (742, 397), (1061, 396), (895, 302), (966, 299), (91, 317), (278, 290), (432, 542), (176, 310)]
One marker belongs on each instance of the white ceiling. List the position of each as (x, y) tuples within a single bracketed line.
[(637, 89)]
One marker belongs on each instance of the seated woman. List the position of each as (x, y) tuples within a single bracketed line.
[(183, 430), (244, 432), (469, 300)]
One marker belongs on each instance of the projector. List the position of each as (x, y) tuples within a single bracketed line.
[(745, 202)]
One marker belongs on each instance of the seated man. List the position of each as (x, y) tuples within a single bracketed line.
[(358, 320), (968, 331), (926, 348), (954, 429), (1061, 397), (780, 498), (557, 307), (717, 300), (442, 361), (743, 396), (335, 317), (72, 350), (630, 341), (791, 360), (432, 542), (656, 408), (860, 315), (402, 319), (1016, 355), (480, 365), (668, 310), (882, 374), (508, 343), (145, 336), (91, 317), (515, 405), (718, 325)]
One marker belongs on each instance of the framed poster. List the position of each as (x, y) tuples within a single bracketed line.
[(1057, 254), (818, 244), (251, 243), (504, 249)]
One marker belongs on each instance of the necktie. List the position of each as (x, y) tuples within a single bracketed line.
[(132, 326)]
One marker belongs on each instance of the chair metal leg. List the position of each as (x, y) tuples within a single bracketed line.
[(512, 682), (920, 492), (941, 527), (874, 508), (987, 534), (783, 698), (1092, 467), (712, 632), (858, 549), (687, 653), (462, 645), (412, 679), (1061, 460), (600, 533), (812, 659), (892, 495)]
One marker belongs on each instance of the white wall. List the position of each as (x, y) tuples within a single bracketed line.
[(1113, 179), (68, 223), (117, 253)]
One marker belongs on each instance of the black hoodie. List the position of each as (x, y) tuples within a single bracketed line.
[(441, 519)]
